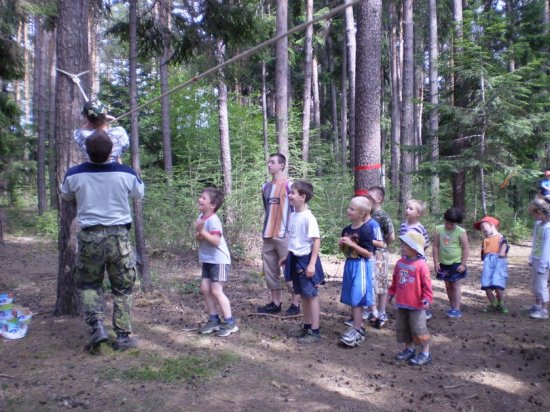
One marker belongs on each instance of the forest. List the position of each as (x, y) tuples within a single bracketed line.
[(441, 101)]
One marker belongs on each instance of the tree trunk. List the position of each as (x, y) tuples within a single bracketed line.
[(164, 10), (72, 56), (141, 250), (333, 96), (223, 126), (40, 108), (369, 41), (407, 121), (308, 69), (281, 79), (351, 65), (344, 109), (264, 113), (52, 164), (459, 177), (316, 100), (93, 45), (395, 71), (418, 106), (434, 102)]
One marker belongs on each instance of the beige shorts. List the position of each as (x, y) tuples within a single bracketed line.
[(411, 327), (380, 263), (273, 250)]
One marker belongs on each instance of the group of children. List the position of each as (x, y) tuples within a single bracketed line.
[(364, 242)]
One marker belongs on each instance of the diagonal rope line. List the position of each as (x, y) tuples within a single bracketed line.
[(246, 53)]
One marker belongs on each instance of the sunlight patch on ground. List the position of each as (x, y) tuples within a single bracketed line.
[(501, 381)]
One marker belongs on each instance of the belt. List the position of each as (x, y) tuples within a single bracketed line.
[(97, 228)]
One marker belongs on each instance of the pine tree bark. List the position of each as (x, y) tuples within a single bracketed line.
[(344, 109), (164, 18), (223, 126), (141, 249), (281, 79), (308, 73), (407, 111), (367, 94), (395, 73), (459, 177), (40, 108), (72, 56), (434, 102), (351, 65)]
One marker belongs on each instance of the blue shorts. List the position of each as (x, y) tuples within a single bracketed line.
[(448, 273), (357, 283), (495, 272), (295, 272)]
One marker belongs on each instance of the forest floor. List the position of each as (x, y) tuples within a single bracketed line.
[(481, 362)]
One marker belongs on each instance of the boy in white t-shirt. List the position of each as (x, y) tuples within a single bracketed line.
[(303, 266), (215, 259)]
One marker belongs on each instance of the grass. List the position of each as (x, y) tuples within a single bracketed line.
[(186, 368)]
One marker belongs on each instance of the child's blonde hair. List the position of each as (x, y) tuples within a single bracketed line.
[(541, 206), (363, 204), (419, 205)]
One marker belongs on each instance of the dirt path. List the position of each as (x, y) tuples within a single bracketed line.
[(482, 362)]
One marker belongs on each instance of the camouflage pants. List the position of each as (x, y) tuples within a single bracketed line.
[(107, 248)]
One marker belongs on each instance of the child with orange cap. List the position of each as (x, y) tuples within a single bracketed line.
[(494, 251)]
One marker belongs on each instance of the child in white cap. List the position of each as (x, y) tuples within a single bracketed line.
[(412, 288), (494, 251)]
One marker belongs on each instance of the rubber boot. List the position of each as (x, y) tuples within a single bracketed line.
[(99, 335), (124, 341)]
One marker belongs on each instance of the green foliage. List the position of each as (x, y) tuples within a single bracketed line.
[(25, 222), (183, 368)]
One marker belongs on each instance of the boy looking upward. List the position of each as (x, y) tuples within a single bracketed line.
[(275, 233)]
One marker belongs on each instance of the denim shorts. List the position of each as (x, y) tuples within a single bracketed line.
[(448, 273)]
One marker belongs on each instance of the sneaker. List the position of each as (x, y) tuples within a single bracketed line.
[(349, 322), (420, 359), (405, 355), (310, 337), (227, 329), (124, 341), (269, 308), (211, 326), (534, 308), (502, 308), (429, 314), (367, 314), (490, 308), (380, 321), (353, 337), (297, 333), (454, 313), (293, 310), (541, 314)]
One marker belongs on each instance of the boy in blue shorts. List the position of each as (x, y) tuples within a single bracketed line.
[(302, 265), (358, 242), (215, 259)]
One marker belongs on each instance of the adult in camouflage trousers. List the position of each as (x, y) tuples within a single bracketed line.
[(102, 190)]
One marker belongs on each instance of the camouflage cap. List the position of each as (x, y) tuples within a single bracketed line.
[(94, 109)]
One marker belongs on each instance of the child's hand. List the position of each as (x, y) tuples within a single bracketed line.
[(310, 270), (345, 240), (461, 268), (426, 303), (199, 224), (282, 262)]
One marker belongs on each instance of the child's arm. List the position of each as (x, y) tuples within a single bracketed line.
[(310, 270), (544, 263), (503, 248), (465, 245), (346, 240), (426, 282), (379, 244), (202, 234), (435, 251)]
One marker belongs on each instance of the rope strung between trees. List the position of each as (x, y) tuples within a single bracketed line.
[(243, 55)]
